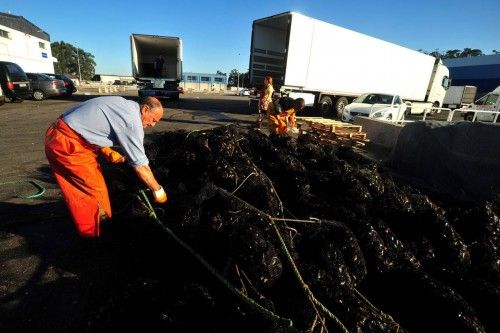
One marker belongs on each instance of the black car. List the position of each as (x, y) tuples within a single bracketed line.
[(15, 84), (68, 83), (2, 97)]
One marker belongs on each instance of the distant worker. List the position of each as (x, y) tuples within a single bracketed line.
[(283, 121), (74, 141), (159, 62), (265, 100)]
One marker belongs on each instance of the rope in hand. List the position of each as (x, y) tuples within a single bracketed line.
[(249, 301)]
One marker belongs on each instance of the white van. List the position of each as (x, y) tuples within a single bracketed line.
[(489, 102)]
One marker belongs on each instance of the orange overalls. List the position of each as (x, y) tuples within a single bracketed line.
[(78, 173), (278, 123)]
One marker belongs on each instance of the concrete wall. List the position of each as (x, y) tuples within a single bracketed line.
[(205, 86), (25, 50), (380, 132)]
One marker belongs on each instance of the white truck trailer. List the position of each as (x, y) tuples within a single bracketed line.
[(329, 66), (459, 96), (157, 65)]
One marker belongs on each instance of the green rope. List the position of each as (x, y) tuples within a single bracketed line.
[(297, 274), (40, 188), (250, 302)]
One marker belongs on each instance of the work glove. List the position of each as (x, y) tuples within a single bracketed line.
[(160, 196), (112, 155)]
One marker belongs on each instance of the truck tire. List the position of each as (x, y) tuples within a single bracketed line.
[(326, 106), (340, 104)]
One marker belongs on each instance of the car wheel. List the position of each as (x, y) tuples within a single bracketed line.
[(469, 116), (325, 106), (38, 95), (69, 94), (340, 104)]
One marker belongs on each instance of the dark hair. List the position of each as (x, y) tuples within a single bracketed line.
[(269, 79), (150, 101), (299, 103)]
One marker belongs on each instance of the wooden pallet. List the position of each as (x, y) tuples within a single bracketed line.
[(334, 131)]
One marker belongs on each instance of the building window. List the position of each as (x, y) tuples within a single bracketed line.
[(192, 78), (41, 45), (205, 78), (4, 34), (219, 79)]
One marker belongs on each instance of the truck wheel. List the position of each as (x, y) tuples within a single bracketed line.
[(38, 95), (325, 106), (340, 104), (469, 116)]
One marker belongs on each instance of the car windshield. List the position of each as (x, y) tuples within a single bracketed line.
[(374, 99), (45, 77)]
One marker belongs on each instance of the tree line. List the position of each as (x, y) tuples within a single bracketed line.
[(67, 60), (465, 53)]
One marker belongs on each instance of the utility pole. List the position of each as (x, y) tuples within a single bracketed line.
[(78, 59), (238, 72)]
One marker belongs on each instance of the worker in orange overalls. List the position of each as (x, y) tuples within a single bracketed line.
[(281, 121), (74, 141)]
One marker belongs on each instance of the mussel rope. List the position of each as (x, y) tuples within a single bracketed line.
[(249, 301), (305, 287), (40, 188)]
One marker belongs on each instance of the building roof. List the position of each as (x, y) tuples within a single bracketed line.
[(473, 61), (21, 24)]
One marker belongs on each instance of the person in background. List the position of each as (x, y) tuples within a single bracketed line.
[(265, 100), (74, 142), (159, 62)]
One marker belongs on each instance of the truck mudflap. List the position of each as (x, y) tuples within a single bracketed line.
[(159, 93)]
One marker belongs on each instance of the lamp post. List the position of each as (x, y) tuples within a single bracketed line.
[(238, 73), (78, 60)]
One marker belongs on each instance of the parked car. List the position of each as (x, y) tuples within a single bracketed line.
[(68, 83), (383, 106), (244, 92), (2, 97), (44, 86), (14, 82)]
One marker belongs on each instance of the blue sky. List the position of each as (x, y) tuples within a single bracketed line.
[(216, 34)]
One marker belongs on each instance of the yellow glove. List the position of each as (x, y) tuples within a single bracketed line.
[(112, 155), (160, 196)]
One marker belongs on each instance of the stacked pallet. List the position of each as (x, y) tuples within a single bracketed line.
[(333, 131)]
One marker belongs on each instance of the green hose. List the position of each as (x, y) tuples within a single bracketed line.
[(41, 190)]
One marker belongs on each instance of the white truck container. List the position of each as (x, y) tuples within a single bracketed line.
[(333, 65), (145, 50), (459, 96)]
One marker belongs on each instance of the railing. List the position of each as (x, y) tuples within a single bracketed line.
[(475, 111)]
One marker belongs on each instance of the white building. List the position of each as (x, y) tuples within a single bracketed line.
[(25, 44)]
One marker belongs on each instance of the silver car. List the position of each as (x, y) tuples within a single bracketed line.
[(44, 86)]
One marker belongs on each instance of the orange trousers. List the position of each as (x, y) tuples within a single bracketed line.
[(78, 173), (278, 122)]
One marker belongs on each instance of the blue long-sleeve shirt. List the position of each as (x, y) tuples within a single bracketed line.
[(110, 121)]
